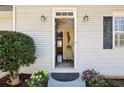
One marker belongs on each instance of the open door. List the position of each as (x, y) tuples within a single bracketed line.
[(64, 38)]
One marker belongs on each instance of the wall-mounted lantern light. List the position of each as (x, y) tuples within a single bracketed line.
[(43, 18), (85, 18)]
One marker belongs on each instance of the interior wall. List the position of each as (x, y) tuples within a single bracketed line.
[(66, 26)]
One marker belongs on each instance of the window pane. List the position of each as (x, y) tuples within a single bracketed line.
[(121, 42), (64, 13), (119, 20), (116, 21), (58, 13), (122, 21), (122, 28), (70, 13), (119, 24), (116, 42), (116, 39), (119, 28), (116, 27), (122, 36), (116, 36)]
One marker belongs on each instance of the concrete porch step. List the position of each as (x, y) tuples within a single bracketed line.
[(65, 80)]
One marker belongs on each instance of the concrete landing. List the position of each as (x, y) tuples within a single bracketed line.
[(75, 83)]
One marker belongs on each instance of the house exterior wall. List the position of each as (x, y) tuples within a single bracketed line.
[(90, 53), (28, 21)]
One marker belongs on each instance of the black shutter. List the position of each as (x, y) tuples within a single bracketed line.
[(107, 32)]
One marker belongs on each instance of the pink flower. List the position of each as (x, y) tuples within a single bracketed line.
[(94, 78), (86, 72)]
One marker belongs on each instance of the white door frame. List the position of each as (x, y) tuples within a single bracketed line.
[(75, 31)]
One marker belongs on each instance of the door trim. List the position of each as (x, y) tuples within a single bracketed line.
[(75, 33)]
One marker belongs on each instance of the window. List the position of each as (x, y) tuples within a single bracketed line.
[(64, 13), (6, 7), (119, 24), (119, 31)]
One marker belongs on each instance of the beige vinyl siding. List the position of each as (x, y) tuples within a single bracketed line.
[(90, 52), (28, 21)]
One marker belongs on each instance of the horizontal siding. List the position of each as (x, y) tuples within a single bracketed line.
[(90, 52), (28, 21)]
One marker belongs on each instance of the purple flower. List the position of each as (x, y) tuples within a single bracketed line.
[(94, 78), (86, 72)]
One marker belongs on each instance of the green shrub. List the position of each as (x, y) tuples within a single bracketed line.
[(114, 83), (38, 79), (16, 50)]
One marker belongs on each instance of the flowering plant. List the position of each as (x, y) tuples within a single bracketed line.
[(38, 79), (94, 78)]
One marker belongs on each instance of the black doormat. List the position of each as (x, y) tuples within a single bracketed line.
[(65, 76)]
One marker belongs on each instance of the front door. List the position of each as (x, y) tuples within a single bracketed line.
[(64, 39)]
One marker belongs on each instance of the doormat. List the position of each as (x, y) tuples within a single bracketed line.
[(65, 76)]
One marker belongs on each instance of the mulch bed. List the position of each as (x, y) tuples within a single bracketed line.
[(118, 82), (23, 77), (113, 82)]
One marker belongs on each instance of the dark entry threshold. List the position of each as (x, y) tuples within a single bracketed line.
[(65, 76)]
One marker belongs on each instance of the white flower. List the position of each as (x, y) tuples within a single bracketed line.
[(32, 82), (38, 79), (36, 76), (33, 77), (45, 73), (40, 76)]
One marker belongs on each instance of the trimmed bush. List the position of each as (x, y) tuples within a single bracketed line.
[(16, 50)]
